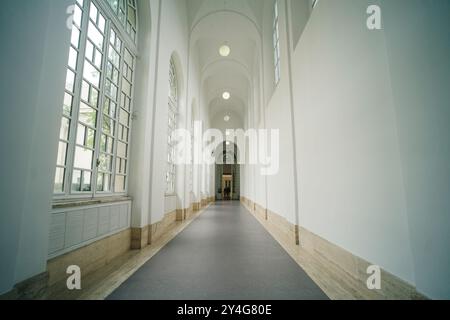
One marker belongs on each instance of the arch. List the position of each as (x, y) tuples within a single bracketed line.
[(252, 22), (243, 68), (227, 170)]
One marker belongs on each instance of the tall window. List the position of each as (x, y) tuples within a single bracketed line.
[(191, 168), (95, 127), (276, 43), (126, 12), (172, 126)]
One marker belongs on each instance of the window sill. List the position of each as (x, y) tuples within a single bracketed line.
[(73, 203)]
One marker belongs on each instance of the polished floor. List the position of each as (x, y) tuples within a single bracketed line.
[(224, 254)]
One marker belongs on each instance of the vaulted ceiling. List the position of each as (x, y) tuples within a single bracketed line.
[(237, 24)]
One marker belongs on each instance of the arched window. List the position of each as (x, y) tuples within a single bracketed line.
[(172, 126), (191, 168), (95, 127)]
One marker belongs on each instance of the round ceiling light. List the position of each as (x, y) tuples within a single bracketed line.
[(226, 95), (224, 51), (227, 118)]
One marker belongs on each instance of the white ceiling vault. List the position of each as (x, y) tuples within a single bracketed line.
[(237, 24)]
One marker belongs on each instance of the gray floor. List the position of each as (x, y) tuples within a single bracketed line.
[(225, 254)]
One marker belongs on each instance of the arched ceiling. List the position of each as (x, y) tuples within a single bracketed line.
[(235, 23)]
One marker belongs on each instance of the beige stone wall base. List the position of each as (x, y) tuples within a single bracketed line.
[(35, 288), (392, 287), (196, 206), (181, 215), (139, 238), (89, 258), (340, 274), (156, 230)]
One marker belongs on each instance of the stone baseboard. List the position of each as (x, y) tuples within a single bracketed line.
[(190, 212), (35, 288), (139, 238), (181, 214), (156, 230), (298, 241), (89, 258), (196, 206)]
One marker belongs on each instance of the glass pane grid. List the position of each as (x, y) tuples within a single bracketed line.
[(96, 110)]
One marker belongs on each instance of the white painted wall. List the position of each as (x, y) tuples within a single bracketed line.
[(280, 187), (418, 48), (34, 66), (350, 175), (141, 142), (173, 41), (371, 139)]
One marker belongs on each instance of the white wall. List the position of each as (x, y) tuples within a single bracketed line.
[(371, 132), (34, 66), (418, 47), (141, 142), (173, 39), (280, 187), (350, 176)]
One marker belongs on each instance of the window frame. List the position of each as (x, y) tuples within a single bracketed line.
[(172, 125), (110, 25), (276, 51)]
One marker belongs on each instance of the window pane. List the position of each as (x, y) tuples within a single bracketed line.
[(101, 23), (83, 158), (59, 180), (85, 136), (110, 145), (62, 152), (73, 55), (77, 14), (91, 74), (75, 39), (120, 184), (89, 51), (64, 132), (106, 182), (103, 182), (70, 81), (98, 59), (121, 149), (93, 97), (100, 182), (86, 185), (76, 180), (105, 163), (93, 12), (88, 115), (67, 108), (124, 118), (95, 35), (85, 91), (108, 126), (126, 87), (107, 144)]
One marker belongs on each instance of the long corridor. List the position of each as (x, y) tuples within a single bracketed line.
[(224, 254)]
